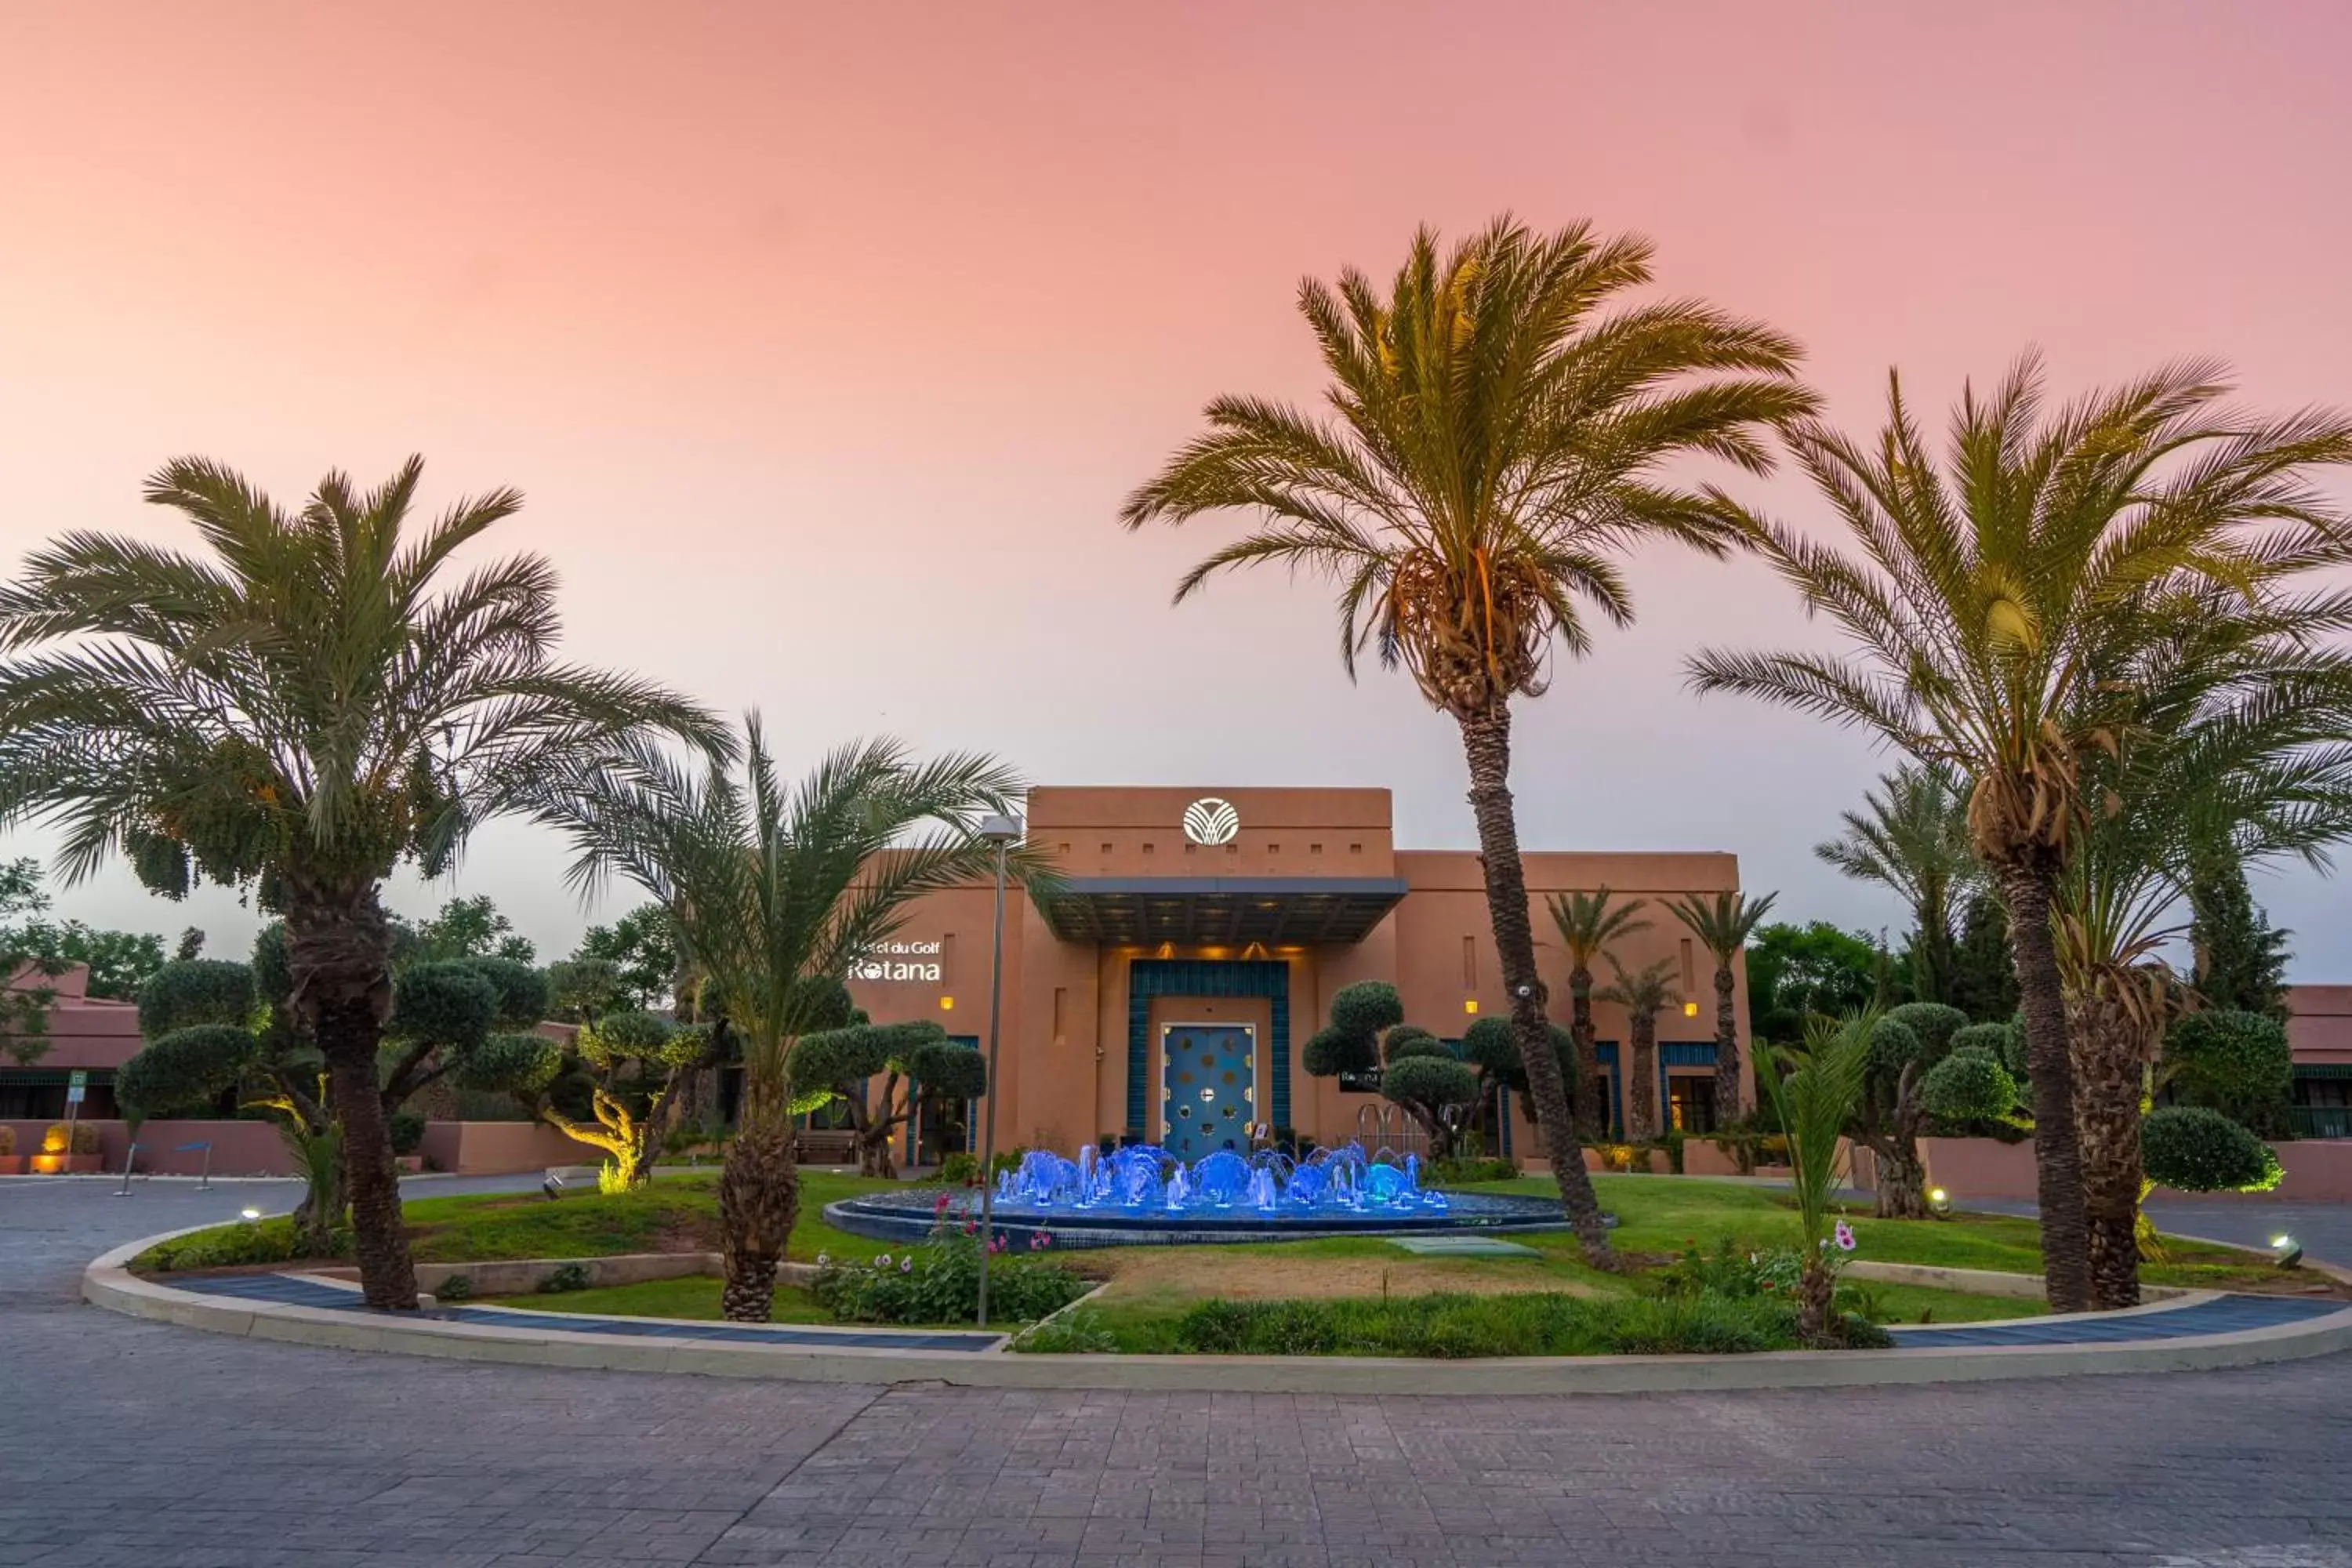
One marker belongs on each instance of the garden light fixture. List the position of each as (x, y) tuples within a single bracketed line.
[(248, 1215), (1939, 1201), (2286, 1251)]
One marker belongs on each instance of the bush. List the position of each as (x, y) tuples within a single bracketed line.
[(186, 1070), (1077, 1332), (69, 1138), (1892, 1044), (1462, 1172), (407, 1132), (1453, 1327), (1935, 1026), (2192, 1149), (189, 992), (2004, 1042), (1969, 1084), (457, 1288), (1006, 1160), (1366, 1008), (937, 1281), (229, 1245), (2235, 1063), (564, 1277), (960, 1170)]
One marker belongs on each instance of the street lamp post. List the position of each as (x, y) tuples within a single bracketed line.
[(1003, 832)]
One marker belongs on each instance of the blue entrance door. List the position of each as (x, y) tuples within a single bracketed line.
[(1208, 1088)]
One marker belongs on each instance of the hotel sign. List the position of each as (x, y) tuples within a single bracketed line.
[(1212, 821), (898, 961)]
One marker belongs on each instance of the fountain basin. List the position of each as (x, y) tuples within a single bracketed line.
[(909, 1216), (1145, 1195)]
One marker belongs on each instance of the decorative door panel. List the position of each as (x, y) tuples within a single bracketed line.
[(1208, 1088)]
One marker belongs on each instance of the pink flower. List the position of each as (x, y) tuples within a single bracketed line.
[(971, 1225), (1845, 1237), (1045, 1238), (940, 1206), (882, 1260), (906, 1266), (1035, 1242)]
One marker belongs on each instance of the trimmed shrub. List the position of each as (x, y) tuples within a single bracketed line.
[(960, 1170), (1332, 1051), (275, 1240), (407, 1132), (1969, 1084), (1462, 1172), (189, 992), (1892, 1043), (1367, 1007), (1935, 1024), (186, 1070), (523, 993), (1455, 1327), (1433, 1082), (446, 1003), (2005, 1042), (564, 1277), (2192, 1149), (510, 1065), (1412, 1040), (937, 1281), (2236, 1063)]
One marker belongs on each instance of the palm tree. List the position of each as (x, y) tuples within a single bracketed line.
[(1984, 605), (1498, 445), (1588, 923), (306, 705), (1723, 925), (1643, 994), (2237, 739), (773, 893), (1913, 839)]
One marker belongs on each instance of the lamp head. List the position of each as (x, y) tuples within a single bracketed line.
[(999, 830)]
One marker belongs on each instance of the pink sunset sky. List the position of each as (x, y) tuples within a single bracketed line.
[(826, 341)]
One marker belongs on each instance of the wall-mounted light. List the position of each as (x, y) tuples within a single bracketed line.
[(1470, 1004), (946, 1003), (1690, 1009)]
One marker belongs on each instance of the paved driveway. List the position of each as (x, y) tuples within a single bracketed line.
[(132, 1443)]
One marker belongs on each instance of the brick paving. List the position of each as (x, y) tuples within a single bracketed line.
[(126, 1441)]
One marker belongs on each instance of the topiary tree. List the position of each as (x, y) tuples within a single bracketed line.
[(1421, 1078), (636, 1060), (187, 1070), (2194, 1149), (1490, 1046), (1889, 1112), (2237, 1064), (1969, 1086), (443, 1011), (188, 992), (2005, 1042), (909, 1058)]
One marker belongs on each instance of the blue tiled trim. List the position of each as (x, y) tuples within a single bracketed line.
[(1151, 977)]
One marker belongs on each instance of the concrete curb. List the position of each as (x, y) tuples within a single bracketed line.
[(108, 1283)]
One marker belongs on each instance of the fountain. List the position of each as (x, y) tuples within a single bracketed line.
[(1143, 1194)]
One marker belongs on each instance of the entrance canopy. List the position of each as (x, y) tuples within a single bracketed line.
[(1221, 911)]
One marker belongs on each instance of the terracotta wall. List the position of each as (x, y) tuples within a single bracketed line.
[(501, 1148), (2317, 1171), (2319, 1024), (240, 1148)]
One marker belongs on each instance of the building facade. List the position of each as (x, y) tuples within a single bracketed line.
[(2319, 1029), (1168, 992)]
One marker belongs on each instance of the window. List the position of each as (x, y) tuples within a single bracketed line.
[(1690, 1103)]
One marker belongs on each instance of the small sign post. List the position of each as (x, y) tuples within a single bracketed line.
[(76, 1085)]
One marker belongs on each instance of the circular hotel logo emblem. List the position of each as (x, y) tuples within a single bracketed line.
[(1211, 821)]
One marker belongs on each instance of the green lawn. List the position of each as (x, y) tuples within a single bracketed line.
[(677, 1212), (694, 1296)]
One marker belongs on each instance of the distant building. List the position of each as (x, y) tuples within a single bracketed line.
[(88, 1032), (2319, 1031)]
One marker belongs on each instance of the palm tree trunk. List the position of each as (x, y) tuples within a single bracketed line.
[(759, 1200), (2057, 1143), (1486, 743), (2107, 1064), (338, 949), (1592, 1116), (347, 1034), (1641, 1092), (1728, 1094)]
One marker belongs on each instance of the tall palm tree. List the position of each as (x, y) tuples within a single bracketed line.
[(311, 702), (1496, 444), (773, 892), (1983, 603), (1912, 837), (1588, 923), (1644, 994), (1723, 925), (2238, 739)]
